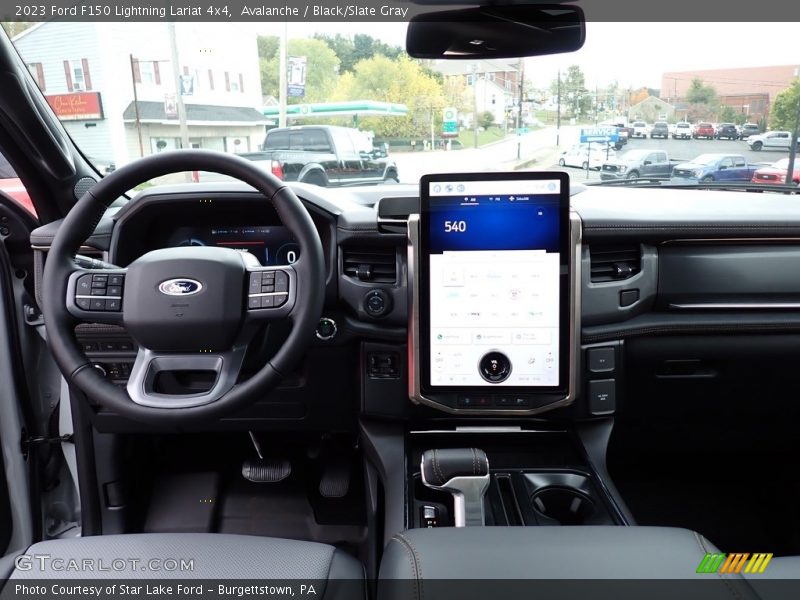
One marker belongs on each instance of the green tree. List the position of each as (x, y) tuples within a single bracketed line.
[(322, 70), (574, 94), (486, 119), (403, 81), (727, 114), (700, 93), (360, 47), (15, 27), (784, 111)]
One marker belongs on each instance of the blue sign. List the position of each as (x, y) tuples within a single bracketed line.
[(599, 134)]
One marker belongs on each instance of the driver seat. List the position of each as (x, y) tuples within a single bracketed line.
[(150, 556)]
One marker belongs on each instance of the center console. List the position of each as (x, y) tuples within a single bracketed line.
[(533, 478)]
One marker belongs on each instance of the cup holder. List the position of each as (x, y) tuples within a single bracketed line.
[(564, 506)]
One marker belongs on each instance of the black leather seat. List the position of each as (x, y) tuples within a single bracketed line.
[(564, 563), (212, 556)]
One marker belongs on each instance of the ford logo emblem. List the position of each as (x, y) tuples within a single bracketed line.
[(180, 287)]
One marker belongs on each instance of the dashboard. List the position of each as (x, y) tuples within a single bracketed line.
[(651, 263)]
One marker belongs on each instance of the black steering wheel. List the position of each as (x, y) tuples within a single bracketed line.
[(188, 308)]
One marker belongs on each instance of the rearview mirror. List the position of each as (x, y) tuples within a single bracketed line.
[(496, 32)]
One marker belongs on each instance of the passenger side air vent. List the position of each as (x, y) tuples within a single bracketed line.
[(614, 263), (376, 264)]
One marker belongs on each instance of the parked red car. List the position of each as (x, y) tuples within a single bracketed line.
[(11, 185), (776, 172), (704, 130)]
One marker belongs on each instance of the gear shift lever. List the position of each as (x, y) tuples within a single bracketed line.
[(463, 472)]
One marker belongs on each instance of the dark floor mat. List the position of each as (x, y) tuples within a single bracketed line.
[(279, 510)]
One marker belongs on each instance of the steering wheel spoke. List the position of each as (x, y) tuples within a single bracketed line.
[(216, 373), (95, 295), (271, 293)]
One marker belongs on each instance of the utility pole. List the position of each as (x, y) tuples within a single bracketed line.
[(282, 75), (475, 103), (136, 106), (521, 71), (176, 73), (558, 113), (795, 141)]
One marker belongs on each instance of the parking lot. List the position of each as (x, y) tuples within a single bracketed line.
[(682, 150)]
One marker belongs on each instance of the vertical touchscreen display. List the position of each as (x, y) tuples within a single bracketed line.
[(494, 282)]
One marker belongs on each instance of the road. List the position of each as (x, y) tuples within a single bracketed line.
[(498, 156)]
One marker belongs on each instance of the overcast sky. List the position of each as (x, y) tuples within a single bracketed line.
[(635, 54)]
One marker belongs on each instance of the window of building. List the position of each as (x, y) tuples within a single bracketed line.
[(37, 71), (77, 76)]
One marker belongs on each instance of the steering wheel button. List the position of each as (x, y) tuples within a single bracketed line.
[(267, 276), (114, 290), (84, 284), (113, 305), (281, 282), (98, 284), (100, 277), (254, 302), (280, 299), (97, 304), (84, 303), (116, 279), (255, 283), (267, 288), (98, 291), (267, 301)]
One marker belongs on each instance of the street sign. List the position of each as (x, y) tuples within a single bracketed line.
[(296, 77), (450, 122), (522, 130), (599, 134)]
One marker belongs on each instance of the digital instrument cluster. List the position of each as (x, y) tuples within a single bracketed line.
[(270, 244)]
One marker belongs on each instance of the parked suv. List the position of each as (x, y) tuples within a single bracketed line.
[(727, 131), (660, 130)]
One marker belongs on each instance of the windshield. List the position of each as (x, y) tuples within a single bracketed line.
[(348, 100)]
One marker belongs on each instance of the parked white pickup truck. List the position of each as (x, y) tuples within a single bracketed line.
[(639, 129), (771, 139)]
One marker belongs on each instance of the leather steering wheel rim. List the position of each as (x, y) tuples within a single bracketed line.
[(81, 221)]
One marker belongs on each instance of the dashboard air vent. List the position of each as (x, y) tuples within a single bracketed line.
[(375, 264), (614, 263)]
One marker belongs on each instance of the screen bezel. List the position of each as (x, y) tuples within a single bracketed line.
[(565, 283)]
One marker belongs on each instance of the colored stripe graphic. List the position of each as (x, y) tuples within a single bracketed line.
[(758, 563), (734, 563), (710, 563)]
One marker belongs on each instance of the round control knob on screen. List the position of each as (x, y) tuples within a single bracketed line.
[(494, 367)]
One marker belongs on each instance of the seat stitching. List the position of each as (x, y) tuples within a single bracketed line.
[(474, 461), (417, 567), (724, 580), (409, 555)]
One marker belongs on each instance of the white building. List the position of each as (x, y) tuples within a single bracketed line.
[(492, 85), (88, 71)]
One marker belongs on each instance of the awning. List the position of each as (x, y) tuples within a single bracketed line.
[(361, 108), (196, 114)]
